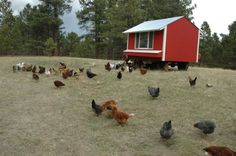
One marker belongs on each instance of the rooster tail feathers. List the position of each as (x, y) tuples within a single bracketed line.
[(93, 102)]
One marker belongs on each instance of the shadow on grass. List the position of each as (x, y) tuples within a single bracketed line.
[(167, 142)]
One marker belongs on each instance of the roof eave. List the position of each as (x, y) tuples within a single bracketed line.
[(128, 32)]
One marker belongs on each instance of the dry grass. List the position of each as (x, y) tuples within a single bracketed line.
[(38, 119)]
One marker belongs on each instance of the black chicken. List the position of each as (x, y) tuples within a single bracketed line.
[(34, 69), (119, 75), (192, 82), (166, 130), (97, 108), (118, 66), (62, 64), (206, 126), (108, 66), (70, 72), (130, 69), (35, 76), (122, 68), (90, 74), (14, 68), (154, 92), (81, 70), (41, 70)]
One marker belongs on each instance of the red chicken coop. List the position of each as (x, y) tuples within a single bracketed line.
[(173, 41)]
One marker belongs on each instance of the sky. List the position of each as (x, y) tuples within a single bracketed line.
[(218, 13), (70, 20)]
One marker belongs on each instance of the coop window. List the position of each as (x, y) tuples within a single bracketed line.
[(144, 40)]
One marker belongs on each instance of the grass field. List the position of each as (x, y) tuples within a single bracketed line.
[(38, 119)]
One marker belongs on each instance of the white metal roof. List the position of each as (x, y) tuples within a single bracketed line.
[(152, 25)]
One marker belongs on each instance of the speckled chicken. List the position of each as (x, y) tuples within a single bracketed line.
[(154, 92), (206, 126), (166, 130)]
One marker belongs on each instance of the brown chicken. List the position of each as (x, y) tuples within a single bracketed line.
[(56, 72), (120, 117), (65, 73), (143, 70), (28, 67), (219, 151), (109, 104), (62, 67), (58, 83)]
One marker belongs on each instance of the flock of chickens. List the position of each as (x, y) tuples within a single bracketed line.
[(166, 131)]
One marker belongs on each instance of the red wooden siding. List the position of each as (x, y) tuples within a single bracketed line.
[(148, 55), (131, 41), (182, 39), (158, 40)]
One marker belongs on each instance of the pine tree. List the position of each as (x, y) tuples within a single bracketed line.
[(54, 9), (206, 43)]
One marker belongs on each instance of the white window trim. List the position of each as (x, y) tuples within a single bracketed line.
[(127, 41)]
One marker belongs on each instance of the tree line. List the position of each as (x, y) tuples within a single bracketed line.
[(218, 51), (37, 30)]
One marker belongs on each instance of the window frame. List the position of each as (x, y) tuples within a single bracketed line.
[(148, 40)]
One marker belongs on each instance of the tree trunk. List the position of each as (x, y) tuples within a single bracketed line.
[(56, 51), (55, 33), (97, 46)]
